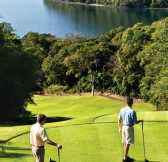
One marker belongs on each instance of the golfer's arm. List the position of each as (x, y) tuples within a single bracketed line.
[(138, 121), (48, 141), (120, 124)]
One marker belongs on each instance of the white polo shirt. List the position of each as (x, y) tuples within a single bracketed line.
[(38, 135)]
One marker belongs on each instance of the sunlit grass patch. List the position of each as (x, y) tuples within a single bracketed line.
[(87, 129)]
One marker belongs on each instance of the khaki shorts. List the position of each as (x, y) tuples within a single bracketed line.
[(38, 153), (128, 134)]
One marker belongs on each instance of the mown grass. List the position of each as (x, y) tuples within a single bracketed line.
[(88, 132)]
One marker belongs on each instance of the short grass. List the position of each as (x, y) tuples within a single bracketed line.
[(88, 132)]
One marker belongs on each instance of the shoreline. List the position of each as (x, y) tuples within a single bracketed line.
[(100, 5), (80, 3)]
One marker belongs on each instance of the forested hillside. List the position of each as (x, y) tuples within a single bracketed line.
[(130, 62), (127, 3)]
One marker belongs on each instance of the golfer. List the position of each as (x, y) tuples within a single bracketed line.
[(38, 137), (126, 120)]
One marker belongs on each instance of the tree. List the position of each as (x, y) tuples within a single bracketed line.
[(94, 56), (154, 59), (53, 67), (38, 45), (128, 72), (74, 64), (18, 73)]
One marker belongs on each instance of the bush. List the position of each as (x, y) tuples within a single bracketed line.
[(55, 89)]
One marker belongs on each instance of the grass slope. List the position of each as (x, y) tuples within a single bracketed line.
[(89, 131)]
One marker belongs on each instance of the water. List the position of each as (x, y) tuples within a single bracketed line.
[(44, 16)]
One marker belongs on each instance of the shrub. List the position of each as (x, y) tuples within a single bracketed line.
[(55, 89)]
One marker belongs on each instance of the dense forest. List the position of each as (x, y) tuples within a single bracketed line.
[(128, 3), (130, 62)]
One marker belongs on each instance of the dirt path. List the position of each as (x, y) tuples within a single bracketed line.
[(105, 94), (118, 97)]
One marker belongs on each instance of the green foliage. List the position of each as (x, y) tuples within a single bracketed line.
[(55, 89), (53, 66), (18, 73), (139, 3), (154, 60), (159, 3), (38, 45), (127, 71), (128, 3)]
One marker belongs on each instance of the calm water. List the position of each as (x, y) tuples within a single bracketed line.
[(43, 16)]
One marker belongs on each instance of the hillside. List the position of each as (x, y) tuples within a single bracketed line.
[(117, 3)]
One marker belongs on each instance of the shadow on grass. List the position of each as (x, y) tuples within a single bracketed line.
[(2, 141), (5, 154), (13, 155), (15, 148), (26, 118), (32, 119), (145, 161)]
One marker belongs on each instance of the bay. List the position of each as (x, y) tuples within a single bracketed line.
[(45, 16)]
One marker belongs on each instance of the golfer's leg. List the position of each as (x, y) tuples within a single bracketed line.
[(126, 149), (34, 151), (124, 139), (40, 155)]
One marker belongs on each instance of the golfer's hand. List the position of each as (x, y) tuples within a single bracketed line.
[(59, 146)]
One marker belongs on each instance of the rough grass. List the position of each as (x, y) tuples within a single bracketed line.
[(88, 131)]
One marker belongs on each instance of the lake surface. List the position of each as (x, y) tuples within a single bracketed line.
[(44, 16)]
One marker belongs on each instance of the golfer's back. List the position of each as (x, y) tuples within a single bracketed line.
[(127, 116)]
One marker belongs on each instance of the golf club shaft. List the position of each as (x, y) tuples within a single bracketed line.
[(143, 141), (58, 155)]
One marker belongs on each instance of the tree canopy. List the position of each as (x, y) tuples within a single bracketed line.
[(18, 73)]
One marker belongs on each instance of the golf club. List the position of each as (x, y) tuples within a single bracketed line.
[(58, 155), (144, 144), (50, 160)]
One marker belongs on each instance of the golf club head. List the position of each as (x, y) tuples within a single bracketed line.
[(50, 160), (146, 160)]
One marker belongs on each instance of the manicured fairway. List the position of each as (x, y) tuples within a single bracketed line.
[(89, 132)]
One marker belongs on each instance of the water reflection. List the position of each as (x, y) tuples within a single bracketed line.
[(93, 21)]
